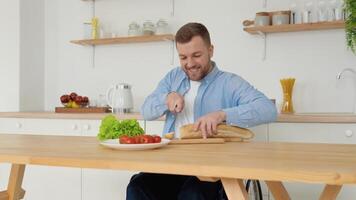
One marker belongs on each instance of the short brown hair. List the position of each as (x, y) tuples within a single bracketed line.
[(188, 31)]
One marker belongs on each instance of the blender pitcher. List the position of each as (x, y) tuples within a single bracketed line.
[(119, 98)]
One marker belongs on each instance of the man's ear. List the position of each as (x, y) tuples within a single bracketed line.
[(211, 51)]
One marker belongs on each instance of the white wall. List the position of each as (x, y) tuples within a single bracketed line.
[(9, 55), (32, 55), (313, 58), (22, 55)]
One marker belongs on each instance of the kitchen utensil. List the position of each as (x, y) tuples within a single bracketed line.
[(198, 141), (119, 98), (223, 131)]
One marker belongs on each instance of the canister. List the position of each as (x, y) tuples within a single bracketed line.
[(262, 19)]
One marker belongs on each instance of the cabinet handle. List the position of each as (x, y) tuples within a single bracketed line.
[(75, 127), (86, 127), (18, 125), (349, 133)]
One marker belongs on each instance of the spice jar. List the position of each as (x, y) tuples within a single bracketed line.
[(134, 29), (162, 27), (148, 28)]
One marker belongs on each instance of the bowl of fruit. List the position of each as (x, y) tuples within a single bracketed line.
[(74, 101)]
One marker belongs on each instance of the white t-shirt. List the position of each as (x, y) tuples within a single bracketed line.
[(187, 114)]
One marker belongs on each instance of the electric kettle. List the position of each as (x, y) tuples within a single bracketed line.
[(119, 98)]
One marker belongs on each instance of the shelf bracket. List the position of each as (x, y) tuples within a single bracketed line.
[(173, 7), (264, 3), (264, 37)]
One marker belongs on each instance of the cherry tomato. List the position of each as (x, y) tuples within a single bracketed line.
[(156, 139), (147, 139), (131, 140), (123, 139), (138, 139)]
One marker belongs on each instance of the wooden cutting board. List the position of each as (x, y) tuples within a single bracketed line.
[(198, 141), (82, 110), (223, 131)]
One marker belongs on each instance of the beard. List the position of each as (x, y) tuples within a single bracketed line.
[(198, 72)]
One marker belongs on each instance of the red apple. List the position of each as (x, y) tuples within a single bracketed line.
[(65, 98), (73, 95), (85, 101), (78, 100)]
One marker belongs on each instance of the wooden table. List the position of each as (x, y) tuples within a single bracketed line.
[(331, 164)]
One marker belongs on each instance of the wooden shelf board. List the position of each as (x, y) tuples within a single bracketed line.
[(296, 27), (123, 40)]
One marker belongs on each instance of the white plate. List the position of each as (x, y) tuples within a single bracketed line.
[(115, 144)]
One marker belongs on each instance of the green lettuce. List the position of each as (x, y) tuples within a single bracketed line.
[(111, 128)]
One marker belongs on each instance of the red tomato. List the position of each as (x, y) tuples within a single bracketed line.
[(131, 140), (147, 139), (123, 139), (156, 139), (138, 139)]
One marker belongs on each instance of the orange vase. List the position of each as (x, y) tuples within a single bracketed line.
[(287, 87)]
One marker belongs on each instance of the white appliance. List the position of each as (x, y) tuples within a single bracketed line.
[(119, 98)]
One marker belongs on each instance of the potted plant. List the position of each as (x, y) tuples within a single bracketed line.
[(350, 24)]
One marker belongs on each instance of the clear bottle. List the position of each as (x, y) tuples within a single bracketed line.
[(148, 28), (162, 27)]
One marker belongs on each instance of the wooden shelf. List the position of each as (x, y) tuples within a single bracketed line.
[(123, 40), (296, 27)]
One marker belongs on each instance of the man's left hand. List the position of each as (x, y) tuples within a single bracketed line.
[(208, 123)]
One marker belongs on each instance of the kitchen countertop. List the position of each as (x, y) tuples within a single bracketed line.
[(283, 118)]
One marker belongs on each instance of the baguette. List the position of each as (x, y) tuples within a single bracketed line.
[(223, 131)]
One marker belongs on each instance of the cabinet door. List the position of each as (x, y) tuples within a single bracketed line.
[(11, 125), (43, 182), (314, 133), (103, 184)]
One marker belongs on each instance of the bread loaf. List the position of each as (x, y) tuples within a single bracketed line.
[(223, 131)]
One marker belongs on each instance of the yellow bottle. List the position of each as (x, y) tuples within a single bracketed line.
[(94, 28)]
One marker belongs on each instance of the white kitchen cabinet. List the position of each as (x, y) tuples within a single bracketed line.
[(104, 184), (314, 133)]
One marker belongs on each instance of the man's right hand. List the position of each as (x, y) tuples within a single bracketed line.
[(175, 102)]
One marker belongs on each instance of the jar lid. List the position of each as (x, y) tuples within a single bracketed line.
[(162, 22), (148, 23), (282, 12), (134, 25), (262, 14)]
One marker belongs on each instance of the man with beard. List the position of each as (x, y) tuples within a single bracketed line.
[(197, 92)]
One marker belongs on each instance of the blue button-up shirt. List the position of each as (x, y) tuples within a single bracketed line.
[(243, 104)]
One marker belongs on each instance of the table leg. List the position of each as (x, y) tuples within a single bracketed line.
[(330, 192), (234, 189), (278, 190), (14, 190)]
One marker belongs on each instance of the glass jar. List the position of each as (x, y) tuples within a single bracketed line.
[(148, 28), (162, 27), (134, 29), (287, 87)]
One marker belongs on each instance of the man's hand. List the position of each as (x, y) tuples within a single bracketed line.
[(175, 102), (208, 123)]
